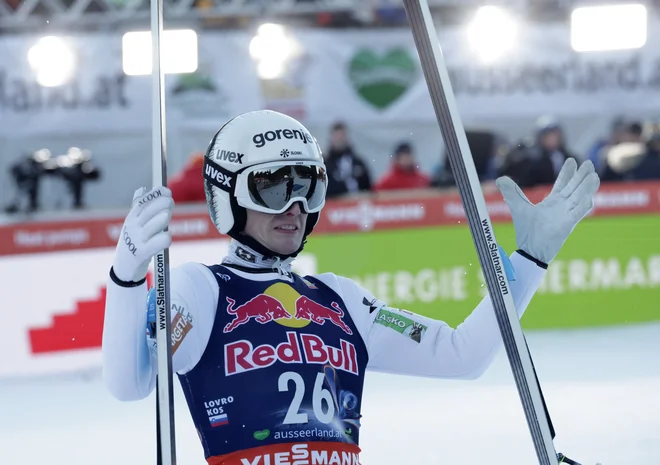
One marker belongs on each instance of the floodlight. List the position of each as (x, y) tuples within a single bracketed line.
[(492, 32), (608, 27), (52, 60), (179, 52), (270, 69), (272, 48)]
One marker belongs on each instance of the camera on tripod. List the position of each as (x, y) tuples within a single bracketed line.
[(74, 168)]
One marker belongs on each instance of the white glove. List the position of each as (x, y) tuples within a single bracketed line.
[(143, 234), (542, 229)]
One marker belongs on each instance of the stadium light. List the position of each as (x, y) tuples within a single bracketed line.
[(492, 33), (52, 60), (268, 69), (272, 48), (179, 52), (608, 27)]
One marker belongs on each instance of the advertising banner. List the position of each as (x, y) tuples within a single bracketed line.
[(415, 252), (608, 271), (54, 305), (362, 77), (376, 76), (102, 98), (372, 212)]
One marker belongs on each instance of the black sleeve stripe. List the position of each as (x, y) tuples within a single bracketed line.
[(121, 283), (529, 257)]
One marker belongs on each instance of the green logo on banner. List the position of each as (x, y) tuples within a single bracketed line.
[(261, 435), (381, 80), (194, 81)]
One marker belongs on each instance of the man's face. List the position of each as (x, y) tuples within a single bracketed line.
[(631, 136), (281, 233), (339, 139), (551, 140), (405, 160)]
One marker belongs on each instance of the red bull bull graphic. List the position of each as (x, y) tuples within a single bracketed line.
[(307, 309), (241, 356), (284, 305), (263, 308)]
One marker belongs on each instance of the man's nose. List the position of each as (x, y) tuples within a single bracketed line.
[(294, 210)]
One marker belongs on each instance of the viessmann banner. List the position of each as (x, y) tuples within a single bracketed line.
[(416, 253)]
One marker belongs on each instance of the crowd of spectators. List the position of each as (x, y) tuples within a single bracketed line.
[(630, 152)]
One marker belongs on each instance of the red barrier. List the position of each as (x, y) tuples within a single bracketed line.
[(429, 208)]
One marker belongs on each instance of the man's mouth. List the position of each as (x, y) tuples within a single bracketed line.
[(287, 227)]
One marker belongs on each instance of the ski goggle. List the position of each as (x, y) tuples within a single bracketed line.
[(274, 187)]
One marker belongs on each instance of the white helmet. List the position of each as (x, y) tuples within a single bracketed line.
[(264, 161)]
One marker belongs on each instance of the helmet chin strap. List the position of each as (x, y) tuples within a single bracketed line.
[(263, 250)]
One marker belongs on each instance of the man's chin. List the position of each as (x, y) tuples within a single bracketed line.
[(287, 245)]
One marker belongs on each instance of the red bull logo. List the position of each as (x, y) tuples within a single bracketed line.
[(263, 308), (282, 304), (241, 356), (307, 309)]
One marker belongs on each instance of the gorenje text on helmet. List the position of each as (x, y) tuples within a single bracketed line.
[(269, 136), (231, 157)]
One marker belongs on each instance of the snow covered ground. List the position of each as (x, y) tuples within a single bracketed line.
[(602, 388)]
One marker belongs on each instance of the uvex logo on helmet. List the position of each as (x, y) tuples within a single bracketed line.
[(222, 179), (228, 156), (263, 138)]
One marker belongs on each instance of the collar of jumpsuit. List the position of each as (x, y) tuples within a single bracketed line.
[(242, 256)]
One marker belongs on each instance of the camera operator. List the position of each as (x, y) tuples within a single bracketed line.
[(26, 174), (74, 168)]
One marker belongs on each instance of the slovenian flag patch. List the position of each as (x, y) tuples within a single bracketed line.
[(219, 420)]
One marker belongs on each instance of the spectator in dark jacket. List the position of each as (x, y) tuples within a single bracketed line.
[(487, 149), (404, 172), (347, 173), (633, 161), (187, 186), (598, 150), (621, 160), (540, 163), (649, 168)]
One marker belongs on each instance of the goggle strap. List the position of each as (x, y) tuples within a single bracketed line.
[(219, 176)]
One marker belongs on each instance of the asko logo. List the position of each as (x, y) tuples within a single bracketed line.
[(263, 138), (241, 356)]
